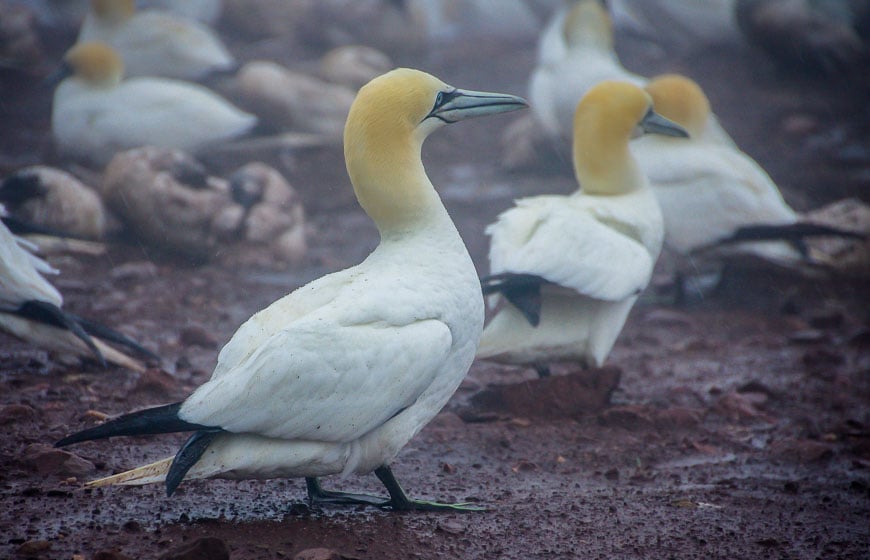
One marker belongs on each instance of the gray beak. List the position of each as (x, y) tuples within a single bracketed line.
[(458, 104), (653, 123)]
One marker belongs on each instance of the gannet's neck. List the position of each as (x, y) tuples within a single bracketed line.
[(386, 169), (587, 25), (603, 163)]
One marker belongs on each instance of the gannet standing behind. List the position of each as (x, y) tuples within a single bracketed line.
[(155, 43), (95, 114), (571, 267), (575, 52), (708, 191), (337, 376), (30, 309)]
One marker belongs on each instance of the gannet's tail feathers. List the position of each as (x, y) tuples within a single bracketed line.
[(102, 331), (789, 232), (523, 291), (146, 474), (50, 314), (158, 420)]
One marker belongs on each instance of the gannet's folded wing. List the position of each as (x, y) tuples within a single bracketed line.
[(321, 381), (20, 278), (571, 247)]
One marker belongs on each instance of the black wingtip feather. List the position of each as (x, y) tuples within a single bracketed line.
[(157, 420), (108, 334), (50, 314), (187, 456)]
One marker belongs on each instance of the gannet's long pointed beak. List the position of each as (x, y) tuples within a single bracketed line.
[(653, 123), (458, 104)]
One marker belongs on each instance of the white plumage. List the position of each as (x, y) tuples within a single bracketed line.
[(575, 52), (155, 43), (337, 376), (95, 114), (591, 252)]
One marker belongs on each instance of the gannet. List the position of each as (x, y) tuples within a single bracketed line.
[(575, 52), (571, 267), (95, 114), (709, 193), (154, 42), (337, 376), (30, 309), (206, 11)]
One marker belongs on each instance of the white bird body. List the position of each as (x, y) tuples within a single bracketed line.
[(156, 43), (707, 191), (336, 377), (95, 120), (598, 252), (206, 11), (575, 52), (588, 254)]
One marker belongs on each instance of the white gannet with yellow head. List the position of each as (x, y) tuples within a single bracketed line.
[(337, 376), (708, 191), (575, 52), (154, 42), (569, 268), (95, 113), (31, 309)]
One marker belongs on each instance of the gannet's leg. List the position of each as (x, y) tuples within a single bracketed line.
[(399, 501), (317, 495)]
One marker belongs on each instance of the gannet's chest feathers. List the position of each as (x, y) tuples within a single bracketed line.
[(155, 43), (707, 190), (593, 251), (95, 114), (363, 358)]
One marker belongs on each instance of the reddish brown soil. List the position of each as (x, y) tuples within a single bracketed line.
[(740, 427)]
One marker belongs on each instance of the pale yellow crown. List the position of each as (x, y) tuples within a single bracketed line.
[(604, 122), (97, 63), (682, 100)]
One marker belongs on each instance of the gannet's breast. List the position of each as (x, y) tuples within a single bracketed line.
[(362, 358)]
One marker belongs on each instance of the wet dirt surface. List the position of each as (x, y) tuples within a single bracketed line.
[(740, 427)]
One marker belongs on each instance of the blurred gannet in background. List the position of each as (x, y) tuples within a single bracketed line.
[(337, 376), (53, 199), (575, 52), (353, 65), (571, 267), (30, 309), (155, 43), (95, 114), (713, 196), (825, 37)]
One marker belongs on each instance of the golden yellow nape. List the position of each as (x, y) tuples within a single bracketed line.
[(113, 9), (682, 100), (95, 62), (604, 122)]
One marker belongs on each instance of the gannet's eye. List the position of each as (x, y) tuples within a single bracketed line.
[(439, 99)]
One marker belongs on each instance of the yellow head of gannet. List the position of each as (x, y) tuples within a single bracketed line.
[(608, 116), (588, 23), (386, 126), (97, 64), (681, 100), (113, 11)]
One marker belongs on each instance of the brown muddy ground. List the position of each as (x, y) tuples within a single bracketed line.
[(740, 427)]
